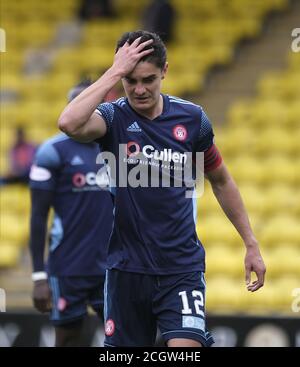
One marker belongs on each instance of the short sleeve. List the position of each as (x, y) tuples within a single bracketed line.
[(206, 136), (106, 111), (43, 173)]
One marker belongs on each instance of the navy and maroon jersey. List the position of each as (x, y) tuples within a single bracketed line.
[(154, 228)]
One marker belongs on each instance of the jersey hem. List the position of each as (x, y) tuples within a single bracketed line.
[(184, 270)]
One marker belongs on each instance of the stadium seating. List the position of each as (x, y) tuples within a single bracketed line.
[(260, 144), (9, 255)]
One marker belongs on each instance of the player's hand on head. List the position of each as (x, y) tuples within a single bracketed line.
[(128, 55), (254, 263), (42, 298)]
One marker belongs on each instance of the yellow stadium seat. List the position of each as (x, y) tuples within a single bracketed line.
[(260, 301), (14, 200), (293, 115), (279, 169), (7, 137), (280, 198), (283, 298), (217, 229), (294, 61), (4, 164), (223, 294), (14, 230), (280, 138), (281, 229), (247, 169), (240, 114), (207, 203), (221, 259), (253, 197), (235, 140), (284, 259), (9, 255), (269, 113)]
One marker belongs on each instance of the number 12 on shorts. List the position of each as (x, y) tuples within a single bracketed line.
[(198, 302)]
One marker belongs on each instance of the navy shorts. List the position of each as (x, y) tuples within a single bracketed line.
[(136, 304), (72, 295)]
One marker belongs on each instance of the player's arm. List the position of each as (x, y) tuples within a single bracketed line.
[(78, 119), (229, 198), (41, 201), (43, 181)]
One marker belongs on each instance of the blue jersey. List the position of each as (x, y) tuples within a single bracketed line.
[(82, 221), (154, 227)]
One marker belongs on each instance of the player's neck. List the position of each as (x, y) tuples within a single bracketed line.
[(153, 112)]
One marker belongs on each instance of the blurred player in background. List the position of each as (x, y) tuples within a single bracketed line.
[(20, 159), (156, 261), (159, 16), (63, 177)]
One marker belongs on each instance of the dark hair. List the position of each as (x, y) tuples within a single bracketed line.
[(157, 57), (78, 88)]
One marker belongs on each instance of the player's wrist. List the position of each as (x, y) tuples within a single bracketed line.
[(115, 72), (39, 275), (251, 244)]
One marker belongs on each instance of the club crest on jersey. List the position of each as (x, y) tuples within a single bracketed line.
[(180, 132), (109, 327), (61, 304)]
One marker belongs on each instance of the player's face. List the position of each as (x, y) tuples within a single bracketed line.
[(142, 87)]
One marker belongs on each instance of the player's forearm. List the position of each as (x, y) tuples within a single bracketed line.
[(231, 202), (79, 110), (41, 201), (38, 230)]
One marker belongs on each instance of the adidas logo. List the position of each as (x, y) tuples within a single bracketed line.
[(134, 128), (76, 161)]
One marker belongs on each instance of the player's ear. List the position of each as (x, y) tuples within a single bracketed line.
[(164, 70)]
